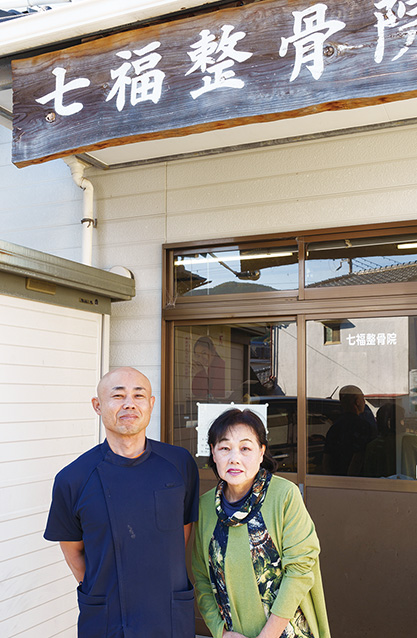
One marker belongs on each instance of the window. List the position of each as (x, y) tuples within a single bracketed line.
[(369, 426), (292, 322), (331, 333), (236, 270), (359, 261), (249, 363)]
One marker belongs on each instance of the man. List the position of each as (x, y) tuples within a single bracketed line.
[(348, 437), (122, 513)]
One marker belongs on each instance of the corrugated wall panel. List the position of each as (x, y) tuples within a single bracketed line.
[(49, 367)]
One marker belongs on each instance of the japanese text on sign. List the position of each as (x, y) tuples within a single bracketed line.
[(372, 339), (255, 63), (213, 58)]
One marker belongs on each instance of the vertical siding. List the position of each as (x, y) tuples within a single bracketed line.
[(49, 367)]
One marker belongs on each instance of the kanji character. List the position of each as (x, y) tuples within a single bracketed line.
[(60, 89)]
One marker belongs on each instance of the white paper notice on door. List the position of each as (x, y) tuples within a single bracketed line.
[(208, 412)]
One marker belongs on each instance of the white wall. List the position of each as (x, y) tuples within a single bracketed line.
[(49, 366), (131, 209), (339, 181), (40, 206)]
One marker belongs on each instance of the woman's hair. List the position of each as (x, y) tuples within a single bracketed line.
[(232, 417)]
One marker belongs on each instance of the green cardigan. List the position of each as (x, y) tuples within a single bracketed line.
[(294, 536)]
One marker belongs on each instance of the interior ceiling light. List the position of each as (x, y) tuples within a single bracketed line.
[(213, 259), (407, 246)]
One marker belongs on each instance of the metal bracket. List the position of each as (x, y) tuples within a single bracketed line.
[(89, 221)]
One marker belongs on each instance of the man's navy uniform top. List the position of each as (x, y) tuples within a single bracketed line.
[(130, 514)]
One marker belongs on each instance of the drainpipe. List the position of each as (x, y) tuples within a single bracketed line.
[(89, 223)]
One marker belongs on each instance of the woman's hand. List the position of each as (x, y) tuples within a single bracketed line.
[(274, 627)]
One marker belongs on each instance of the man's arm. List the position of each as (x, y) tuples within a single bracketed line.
[(187, 532), (74, 555)]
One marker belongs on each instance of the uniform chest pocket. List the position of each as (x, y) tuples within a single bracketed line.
[(169, 508)]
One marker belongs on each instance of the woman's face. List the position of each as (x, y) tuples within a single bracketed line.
[(238, 456)]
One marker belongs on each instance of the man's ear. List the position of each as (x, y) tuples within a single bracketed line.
[(96, 405)]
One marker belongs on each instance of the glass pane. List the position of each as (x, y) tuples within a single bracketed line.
[(361, 261), (236, 270), (362, 398), (239, 363)]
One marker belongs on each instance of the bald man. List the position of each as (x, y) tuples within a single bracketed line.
[(122, 513)]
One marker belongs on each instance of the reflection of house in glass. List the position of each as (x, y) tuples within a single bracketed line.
[(383, 275), (187, 281), (361, 260), (376, 354)]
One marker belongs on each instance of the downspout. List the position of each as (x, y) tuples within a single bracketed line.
[(89, 223)]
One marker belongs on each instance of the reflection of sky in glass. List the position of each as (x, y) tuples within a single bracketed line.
[(320, 270), (232, 267)]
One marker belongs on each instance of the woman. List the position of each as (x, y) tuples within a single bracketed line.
[(255, 557)]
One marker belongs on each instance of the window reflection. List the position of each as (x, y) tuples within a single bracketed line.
[(350, 261), (367, 425), (236, 270), (239, 363), (363, 261), (208, 369)]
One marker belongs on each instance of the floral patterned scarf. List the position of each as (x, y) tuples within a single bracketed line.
[(265, 558)]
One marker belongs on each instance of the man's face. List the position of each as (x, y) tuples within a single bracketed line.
[(125, 402)]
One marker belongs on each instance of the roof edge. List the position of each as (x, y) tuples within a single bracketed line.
[(85, 18), (27, 262)]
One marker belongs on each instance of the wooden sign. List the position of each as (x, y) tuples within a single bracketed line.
[(264, 61)]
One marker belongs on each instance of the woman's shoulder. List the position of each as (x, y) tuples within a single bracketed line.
[(207, 511), (207, 499), (282, 487)]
